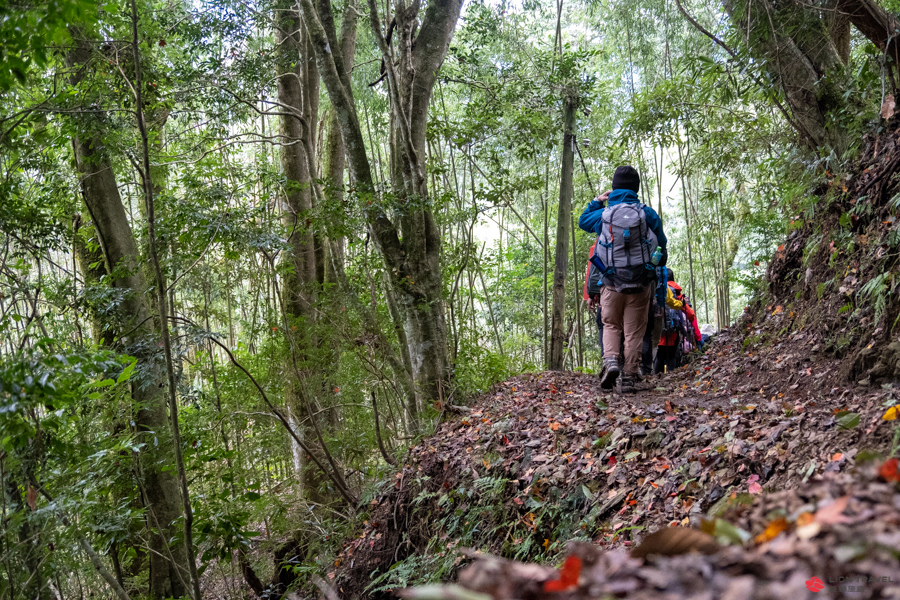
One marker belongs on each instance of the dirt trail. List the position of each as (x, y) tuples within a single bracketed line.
[(738, 440)]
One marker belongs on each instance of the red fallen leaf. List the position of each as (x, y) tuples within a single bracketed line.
[(568, 576), (517, 501), (889, 471), (505, 440), (670, 418), (668, 406), (755, 488), (781, 247), (612, 460)]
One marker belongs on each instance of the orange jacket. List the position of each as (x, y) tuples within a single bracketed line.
[(670, 339)]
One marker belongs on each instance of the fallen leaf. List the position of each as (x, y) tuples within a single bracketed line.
[(805, 519), (554, 426), (672, 541), (755, 488), (724, 531), (892, 413), (889, 471), (837, 456), (848, 420), (888, 106), (568, 576), (772, 531), (809, 531), (833, 513)]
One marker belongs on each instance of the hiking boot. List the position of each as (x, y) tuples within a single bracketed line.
[(610, 373), (626, 384)]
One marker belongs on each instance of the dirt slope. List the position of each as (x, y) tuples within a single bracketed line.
[(740, 438)]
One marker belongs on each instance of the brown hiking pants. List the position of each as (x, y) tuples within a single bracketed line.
[(628, 313)]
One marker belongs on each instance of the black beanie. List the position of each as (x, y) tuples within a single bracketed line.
[(626, 178), (670, 276)]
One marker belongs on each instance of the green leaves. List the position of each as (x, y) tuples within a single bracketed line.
[(725, 532), (847, 419), (29, 31)]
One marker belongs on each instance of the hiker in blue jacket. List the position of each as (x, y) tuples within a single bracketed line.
[(627, 237), (592, 216)]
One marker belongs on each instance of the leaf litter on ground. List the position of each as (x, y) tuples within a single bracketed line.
[(762, 451)]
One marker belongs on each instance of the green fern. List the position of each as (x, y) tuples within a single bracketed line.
[(893, 238), (876, 289), (894, 202), (490, 486)]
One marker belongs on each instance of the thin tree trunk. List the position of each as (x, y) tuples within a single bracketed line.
[(169, 571), (546, 259), (295, 91), (576, 288), (689, 234), (564, 217), (162, 309)]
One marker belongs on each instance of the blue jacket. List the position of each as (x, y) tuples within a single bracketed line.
[(592, 218)]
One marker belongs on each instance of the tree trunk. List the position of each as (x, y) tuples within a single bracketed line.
[(411, 247), (802, 47), (169, 571), (335, 159), (89, 258), (160, 486), (878, 25), (563, 221), (297, 85)]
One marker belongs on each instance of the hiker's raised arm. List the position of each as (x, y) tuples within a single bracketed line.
[(591, 217)]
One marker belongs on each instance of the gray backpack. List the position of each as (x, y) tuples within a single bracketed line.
[(625, 246)]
